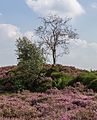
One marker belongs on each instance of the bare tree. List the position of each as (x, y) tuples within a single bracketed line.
[(55, 32)]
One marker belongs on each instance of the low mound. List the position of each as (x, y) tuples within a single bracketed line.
[(66, 69), (71, 70)]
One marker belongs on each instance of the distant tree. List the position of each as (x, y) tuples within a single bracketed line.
[(55, 32), (30, 59)]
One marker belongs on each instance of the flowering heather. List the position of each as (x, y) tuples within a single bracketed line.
[(4, 71), (66, 69), (54, 104)]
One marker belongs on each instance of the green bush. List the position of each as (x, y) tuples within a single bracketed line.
[(11, 84), (87, 78), (41, 84), (19, 83), (6, 85), (56, 75), (93, 85), (60, 80), (84, 78), (48, 72)]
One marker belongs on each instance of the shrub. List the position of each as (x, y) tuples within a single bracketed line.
[(56, 75), (87, 78), (49, 71), (60, 80), (12, 84), (93, 85), (42, 84), (6, 85), (84, 78)]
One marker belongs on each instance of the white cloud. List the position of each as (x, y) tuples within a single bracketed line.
[(79, 42), (12, 32), (85, 44), (71, 8), (94, 5), (82, 55), (9, 31), (8, 35)]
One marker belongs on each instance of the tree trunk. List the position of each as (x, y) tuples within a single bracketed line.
[(54, 56)]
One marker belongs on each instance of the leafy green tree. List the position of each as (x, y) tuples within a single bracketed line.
[(30, 60)]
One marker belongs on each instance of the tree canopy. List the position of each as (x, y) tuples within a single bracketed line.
[(30, 59), (55, 32)]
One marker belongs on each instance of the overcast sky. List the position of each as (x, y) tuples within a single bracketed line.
[(20, 17)]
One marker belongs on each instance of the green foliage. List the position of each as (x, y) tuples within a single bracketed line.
[(30, 63), (6, 85), (56, 75), (12, 84), (18, 83), (89, 79), (42, 84), (30, 56), (85, 78), (50, 71), (60, 80), (93, 85)]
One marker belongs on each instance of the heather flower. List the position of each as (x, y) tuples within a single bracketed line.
[(54, 104)]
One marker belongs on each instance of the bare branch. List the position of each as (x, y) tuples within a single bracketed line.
[(55, 32)]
